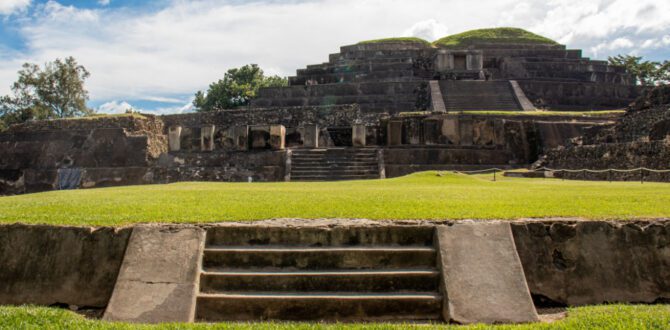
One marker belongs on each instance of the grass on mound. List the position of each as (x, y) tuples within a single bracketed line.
[(398, 39), (494, 35), (425, 195), (631, 317)]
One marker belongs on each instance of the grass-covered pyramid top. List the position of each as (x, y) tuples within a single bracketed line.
[(495, 35), (396, 40), (473, 37)]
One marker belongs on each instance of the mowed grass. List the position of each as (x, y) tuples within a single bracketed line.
[(425, 195), (590, 317)]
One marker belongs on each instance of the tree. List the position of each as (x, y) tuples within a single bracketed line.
[(54, 91), (646, 73), (237, 88)]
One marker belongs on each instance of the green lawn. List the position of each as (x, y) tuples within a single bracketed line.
[(591, 317), (426, 195)]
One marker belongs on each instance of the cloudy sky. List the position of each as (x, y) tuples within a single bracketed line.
[(153, 55)]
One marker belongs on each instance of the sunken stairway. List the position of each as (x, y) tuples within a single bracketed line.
[(470, 95), (322, 273), (334, 164)]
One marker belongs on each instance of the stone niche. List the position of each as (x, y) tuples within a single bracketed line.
[(458, 60), (235, 138), (259, 137), (394, 132)]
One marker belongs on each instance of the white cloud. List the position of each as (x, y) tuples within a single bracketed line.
[(8, 7), (117, 107), (430, 30), (104, 2), (114, 107), (181, 48)]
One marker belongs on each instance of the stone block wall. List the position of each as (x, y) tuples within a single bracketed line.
[(114, 150)]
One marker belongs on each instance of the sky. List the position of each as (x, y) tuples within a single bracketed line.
[(154, 55)]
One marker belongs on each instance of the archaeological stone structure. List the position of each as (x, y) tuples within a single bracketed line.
[(335, 269), (374, 110)]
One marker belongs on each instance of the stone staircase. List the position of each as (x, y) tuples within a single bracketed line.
[(341, 273), (468, 95), (334, 164)]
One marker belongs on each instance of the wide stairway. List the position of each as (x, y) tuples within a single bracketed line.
[(469, 95), (321, 273), (334, 164)]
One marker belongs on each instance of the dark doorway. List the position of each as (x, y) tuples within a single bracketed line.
[(459, 62)]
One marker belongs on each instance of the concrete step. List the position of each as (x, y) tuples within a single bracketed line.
[(315, 258), (212, 281), (360, 236), (323, 307)]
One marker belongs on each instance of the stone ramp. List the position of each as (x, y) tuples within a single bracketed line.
[(322, 274), (158, 279), (470, 95), (483, 277)]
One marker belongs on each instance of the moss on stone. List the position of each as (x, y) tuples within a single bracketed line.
[(494, 35)]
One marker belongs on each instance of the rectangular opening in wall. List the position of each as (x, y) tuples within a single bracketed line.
[(459, 62)]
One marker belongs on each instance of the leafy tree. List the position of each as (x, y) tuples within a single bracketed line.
[(237, 88), (646, 73), (54, 91)]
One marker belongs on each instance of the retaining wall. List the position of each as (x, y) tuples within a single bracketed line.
[(566, 262)]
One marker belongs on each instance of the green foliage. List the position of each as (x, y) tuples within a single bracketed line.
[(646, 73), (399, 39), (237, 88), (54, 91), (418, 196), (629, 317), (494, 35)]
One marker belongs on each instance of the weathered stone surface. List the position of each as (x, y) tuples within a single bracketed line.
[(277, 137), (594, 262), (174, 138), (358, 135), (158, 280), (482, 276), (49, 265), (207, 138), (310, 136)]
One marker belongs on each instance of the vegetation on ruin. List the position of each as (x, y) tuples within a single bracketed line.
[(237, 88), (425, 195), (398, 39), (494, 35), (53, 91), (645, 73), (588, 317)]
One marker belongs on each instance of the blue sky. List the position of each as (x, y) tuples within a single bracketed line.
[(154, 55)]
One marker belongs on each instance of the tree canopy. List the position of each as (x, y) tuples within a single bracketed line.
[(53, 91), (646, 73), (237, 88)]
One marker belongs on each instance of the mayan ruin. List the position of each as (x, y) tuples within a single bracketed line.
[(494, 176)]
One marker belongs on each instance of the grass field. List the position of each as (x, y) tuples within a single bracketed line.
[(426, 195), (591, 317)]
